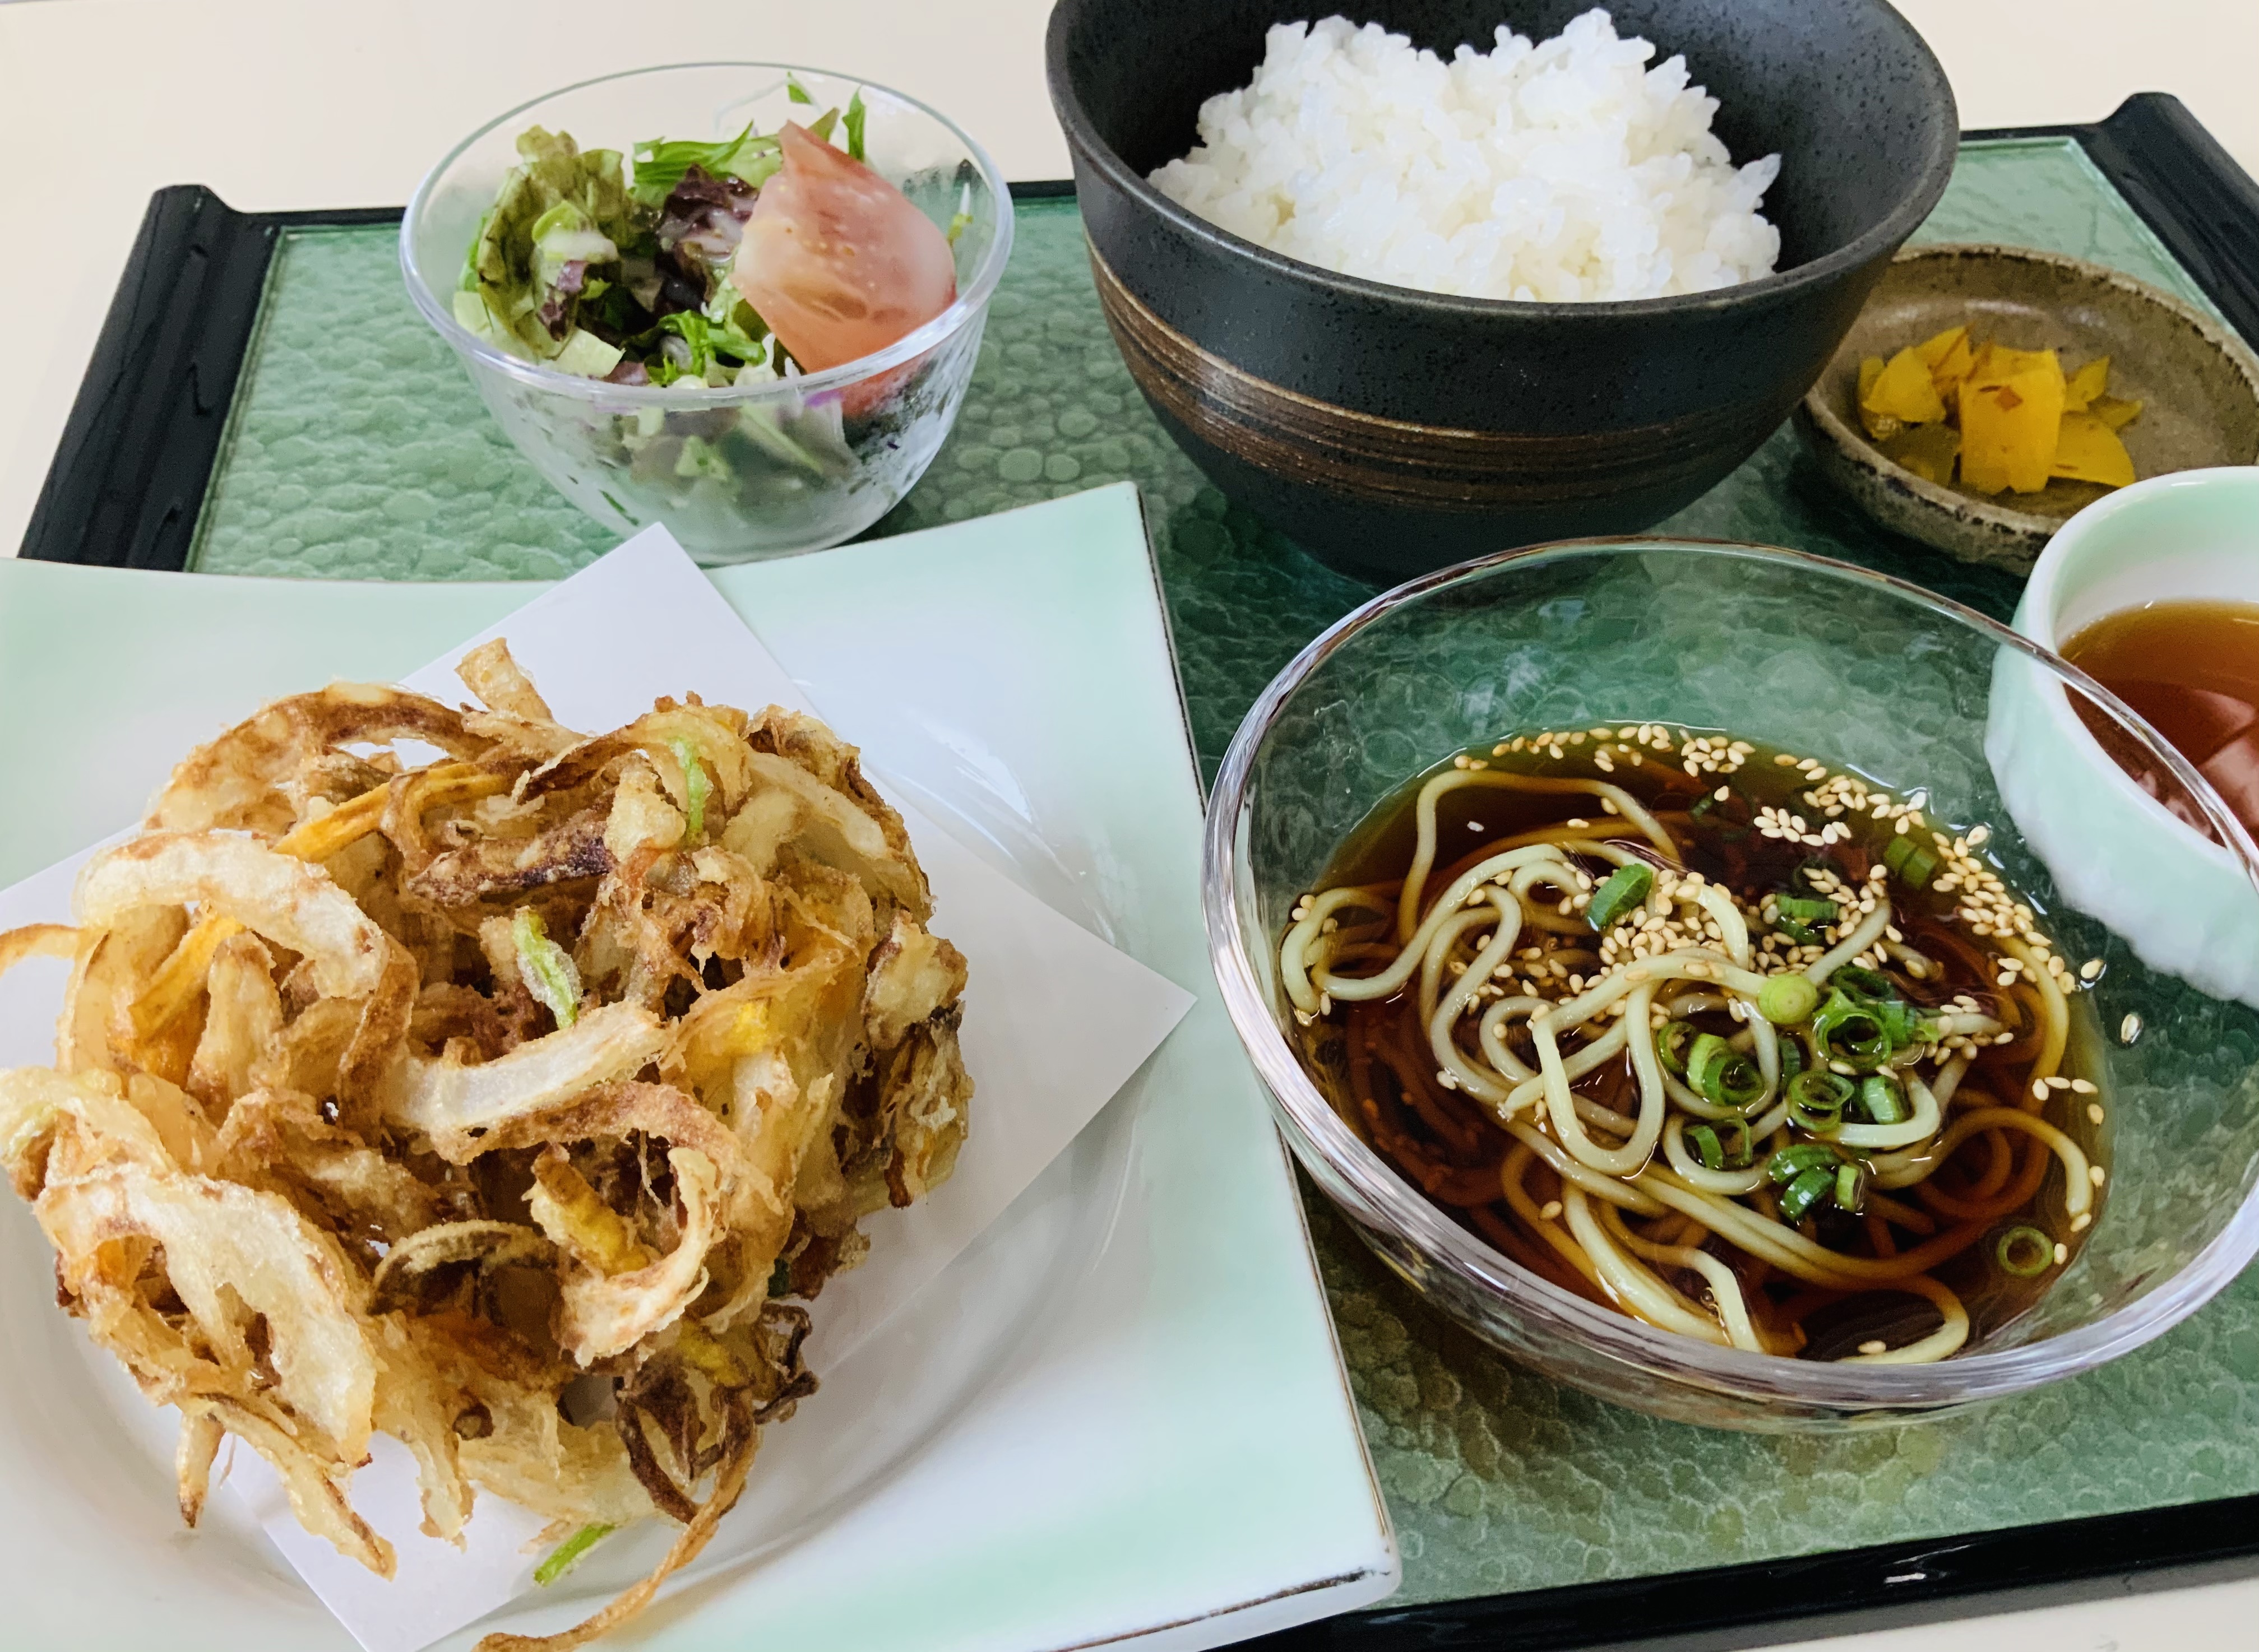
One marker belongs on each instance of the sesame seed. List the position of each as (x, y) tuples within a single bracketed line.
[(2062, 1253), (2038, 1089), (2094, 1111), (2096, 1174), (1874, 1345), (1551, 1210), (2083, 1085), (2089, 970), (2129, 1029), (1722, 793), (2082, 1221)]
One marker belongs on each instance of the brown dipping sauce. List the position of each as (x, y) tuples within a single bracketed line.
[(2192, 670)]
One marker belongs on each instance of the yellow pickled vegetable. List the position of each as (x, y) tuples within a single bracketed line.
[(2003, 419), (1904, 392), (2011, 414), (2115, 413), (1934, 350), (1926, 450), (1948, 356), (1879, 428), (2087, 450), (2088, 383)]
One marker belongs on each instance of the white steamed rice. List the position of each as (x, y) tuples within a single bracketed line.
[(1559, 171)]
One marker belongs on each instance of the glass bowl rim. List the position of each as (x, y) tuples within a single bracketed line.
[(1385, 1196), (970, 303)]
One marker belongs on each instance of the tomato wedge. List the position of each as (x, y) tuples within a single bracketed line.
[(837, 260)]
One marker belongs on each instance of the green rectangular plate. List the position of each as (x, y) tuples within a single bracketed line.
[(379, 462)]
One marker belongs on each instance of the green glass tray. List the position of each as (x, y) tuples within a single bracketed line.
[(377, 462)]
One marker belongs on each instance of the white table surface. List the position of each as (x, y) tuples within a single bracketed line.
[(286, 103)]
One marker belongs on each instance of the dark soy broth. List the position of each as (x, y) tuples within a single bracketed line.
[(1747, 822), (2192, 670)]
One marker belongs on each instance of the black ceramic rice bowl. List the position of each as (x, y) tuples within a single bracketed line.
[(1393, 432)]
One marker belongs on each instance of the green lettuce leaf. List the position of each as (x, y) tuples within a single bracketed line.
[(517, 255), (739, 332), (586, 354), (660, 163), (856, 116)]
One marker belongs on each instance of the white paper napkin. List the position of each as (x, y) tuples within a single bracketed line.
[(1056, 1020)]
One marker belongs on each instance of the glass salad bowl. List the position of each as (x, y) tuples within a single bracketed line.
[(761, 468), (1866, 674)]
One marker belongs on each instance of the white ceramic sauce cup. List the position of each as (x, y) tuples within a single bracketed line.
[(2183, 903)]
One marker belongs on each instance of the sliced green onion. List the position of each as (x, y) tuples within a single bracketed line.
[(1702, 806), (1791, 1058), (1913, 863), (561, 1557), (1906, 1024), (1883, 1099), (1722, 1073), (696, 788), (1851, 1034), (854, 123), (1864, 987), (1850, 1189), (1710, 1148), (1672, 1043), (796, 91), (545, 967), (1626, 887), (1791, 1162), (1804, 908), (1817, 1098), (1785, 1000), (2037, 1252), (1807, 1190)]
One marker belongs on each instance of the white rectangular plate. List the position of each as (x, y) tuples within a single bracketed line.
[(1127, 1416)]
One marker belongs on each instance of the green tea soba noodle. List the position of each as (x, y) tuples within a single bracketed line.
[(1740, 1045)]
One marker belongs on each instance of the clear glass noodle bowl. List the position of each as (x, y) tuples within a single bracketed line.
[(774, 468), (1824, 660)]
